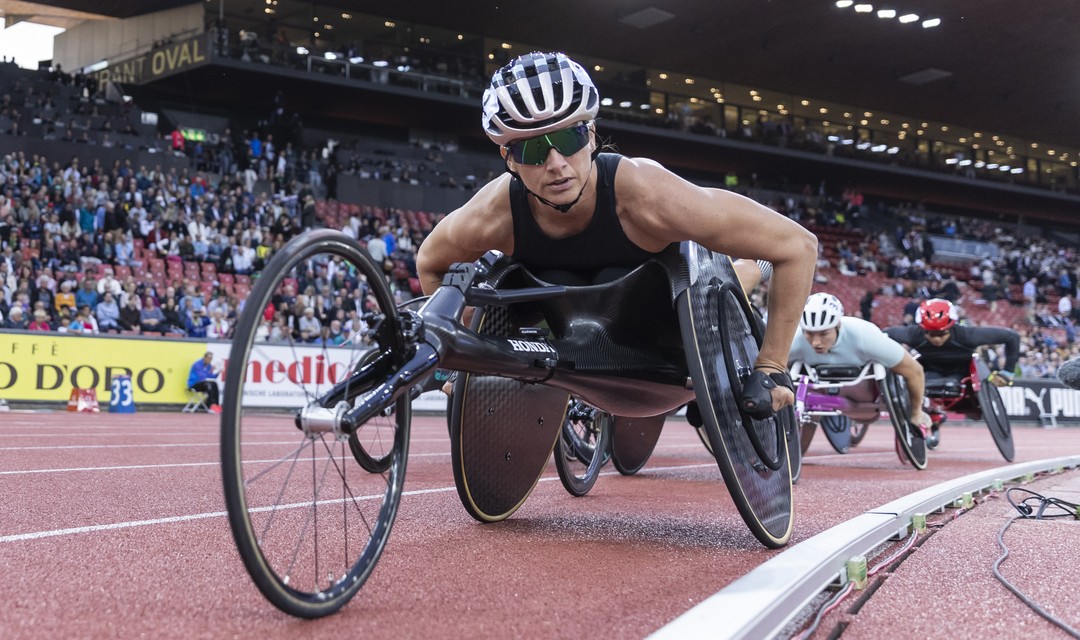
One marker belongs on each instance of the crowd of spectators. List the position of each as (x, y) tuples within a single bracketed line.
[(82, 244)]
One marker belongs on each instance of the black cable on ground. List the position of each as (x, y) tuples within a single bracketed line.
[(1026, 511)]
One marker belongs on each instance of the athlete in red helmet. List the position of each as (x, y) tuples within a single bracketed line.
[(945, 347)]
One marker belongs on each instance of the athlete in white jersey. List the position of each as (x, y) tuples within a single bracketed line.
[(830, 337)]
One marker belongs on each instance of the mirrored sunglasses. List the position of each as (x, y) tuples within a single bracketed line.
[(535, 150)]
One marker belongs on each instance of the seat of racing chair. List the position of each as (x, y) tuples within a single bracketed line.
[(944, 388)]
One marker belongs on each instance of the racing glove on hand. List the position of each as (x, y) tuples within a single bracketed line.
[(1001, 379), (756, 398)]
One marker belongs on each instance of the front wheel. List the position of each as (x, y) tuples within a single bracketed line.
[(310, 523), (858, 432), (722, 337), (583, 447), (909, 439), (993, 410)]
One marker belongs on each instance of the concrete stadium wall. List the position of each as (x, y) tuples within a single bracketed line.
[(114, 40)]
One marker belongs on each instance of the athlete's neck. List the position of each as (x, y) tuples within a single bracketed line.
[(563, 208)]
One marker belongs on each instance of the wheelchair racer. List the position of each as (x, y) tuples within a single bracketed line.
[(945, 348), (574, 215), (828, 337)]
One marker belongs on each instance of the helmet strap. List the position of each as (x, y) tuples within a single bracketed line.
[(561, 208)]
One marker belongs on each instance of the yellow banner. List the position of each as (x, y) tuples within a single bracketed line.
[(47, 366)]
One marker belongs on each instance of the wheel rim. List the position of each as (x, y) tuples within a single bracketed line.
[(309, 523)]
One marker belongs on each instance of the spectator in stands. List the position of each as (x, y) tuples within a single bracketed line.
[(204, 378), (197, 322), (950, 290), (131, 314), (1030, 296), (107, 313), (191, 300), (560, 201), (308, 325), (86, 296), (64, 299), (16, 319), (40, 321), (84, 321), (990, 292), (151, 317), (174, 319), (866, 305), (376, 248), (219, 327), (1065, 307)]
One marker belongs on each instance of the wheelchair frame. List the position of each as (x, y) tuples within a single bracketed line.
[(638, 381)]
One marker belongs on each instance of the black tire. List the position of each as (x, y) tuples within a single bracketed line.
[(582, 448), (704, 437), (858, 432), (309, 525), (837, 430), (806, 435), (993, 411), (712, 315), (910, 440), (794, 444)]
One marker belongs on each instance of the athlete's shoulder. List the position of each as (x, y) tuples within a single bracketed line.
[(485, 217), (858, 323), (903, 332)]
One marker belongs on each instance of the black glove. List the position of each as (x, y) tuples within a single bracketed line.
[(756, 399)]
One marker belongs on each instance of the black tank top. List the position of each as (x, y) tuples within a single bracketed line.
[(591, 255)]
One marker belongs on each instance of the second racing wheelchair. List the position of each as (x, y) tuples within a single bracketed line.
[(837, 397), (977, 398), (315, 435)]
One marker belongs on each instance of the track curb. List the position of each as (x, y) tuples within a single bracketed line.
[(765, 600)]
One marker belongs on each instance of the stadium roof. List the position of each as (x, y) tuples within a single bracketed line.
[(1000, 66)]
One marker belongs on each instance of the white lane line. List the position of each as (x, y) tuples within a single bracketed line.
[(37, 535), (167, 465), (165, 445)]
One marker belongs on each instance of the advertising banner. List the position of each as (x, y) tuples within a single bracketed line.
[(39, 366), (166, 60), (45, 367), (1032, 399)]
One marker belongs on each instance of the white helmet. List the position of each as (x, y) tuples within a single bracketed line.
[(537, 93), (822, 311)]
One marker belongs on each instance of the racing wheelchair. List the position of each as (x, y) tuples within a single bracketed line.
[(310, 525), (977, 398), (836, 397)]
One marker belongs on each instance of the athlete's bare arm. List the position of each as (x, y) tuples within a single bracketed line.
[(656, 207), (480, 225), (912, 372)]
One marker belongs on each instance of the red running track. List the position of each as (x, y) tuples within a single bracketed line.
[(113, 526)]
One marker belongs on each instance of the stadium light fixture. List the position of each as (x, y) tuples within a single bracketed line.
[(908, 17), (886, 13), (864, 8), (931, 23)]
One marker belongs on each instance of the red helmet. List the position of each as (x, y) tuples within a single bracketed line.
[(936, 314)]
